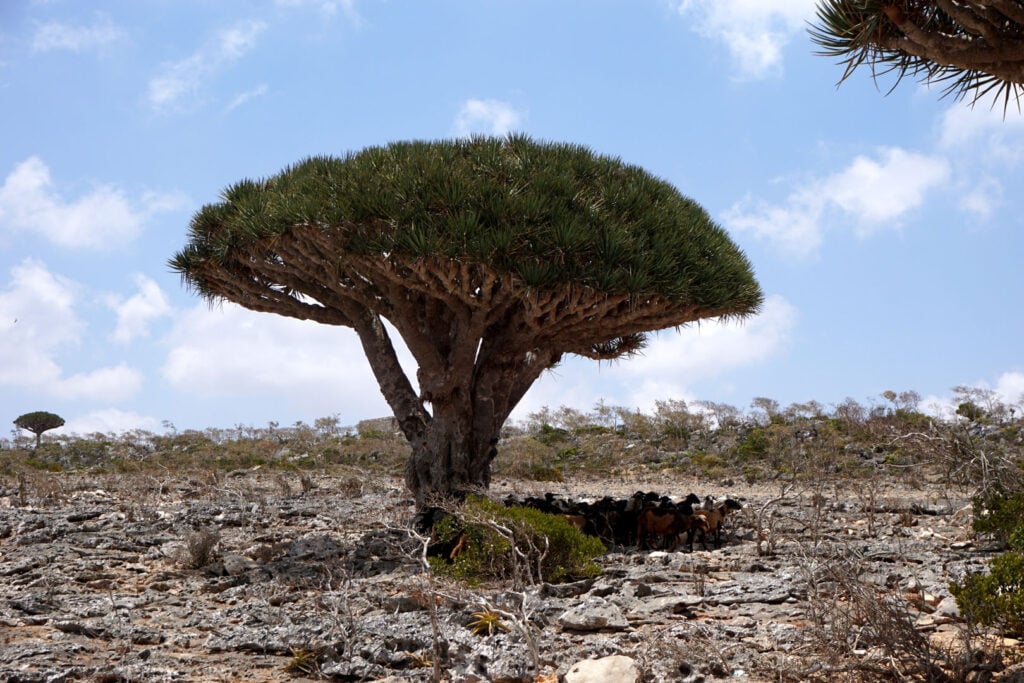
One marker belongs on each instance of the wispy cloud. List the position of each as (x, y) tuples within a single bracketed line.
[(222, 353), (673, 365), (180, 80), (487, 116), (102, 218), (987, 128), (872, 193), (58, 36), (258, 91), (754, 31), (37, 319), (135, 313), (1008, 389), (110, 421)]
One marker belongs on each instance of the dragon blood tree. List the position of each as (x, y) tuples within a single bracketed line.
[(491, 257)]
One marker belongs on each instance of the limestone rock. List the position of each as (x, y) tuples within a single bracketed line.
[(613, 669), (594, 614)]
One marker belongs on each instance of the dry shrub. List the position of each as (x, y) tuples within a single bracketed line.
[(861, 632), (200, 548)]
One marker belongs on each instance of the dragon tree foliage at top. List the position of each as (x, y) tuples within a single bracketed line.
[(588, 250), (974, 48)]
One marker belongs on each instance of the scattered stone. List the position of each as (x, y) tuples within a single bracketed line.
[(594, 614), (614, 669), (92, 590)]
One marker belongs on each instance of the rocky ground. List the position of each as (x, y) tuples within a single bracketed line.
[(269, 576)]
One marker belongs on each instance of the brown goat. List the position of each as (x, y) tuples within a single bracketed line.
[(579, 522), (712, 518), (667, 525)]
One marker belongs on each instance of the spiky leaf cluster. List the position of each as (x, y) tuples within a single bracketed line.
[(549, 215), (973, 48)]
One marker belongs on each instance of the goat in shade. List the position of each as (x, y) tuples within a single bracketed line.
[(712, 517), (666, 521)]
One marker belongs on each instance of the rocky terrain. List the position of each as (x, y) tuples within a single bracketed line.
[(263, 575)]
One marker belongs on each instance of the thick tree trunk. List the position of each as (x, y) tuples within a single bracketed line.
[(452, 460)]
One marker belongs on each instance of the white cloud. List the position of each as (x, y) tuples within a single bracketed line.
[(232, 352), (673, 362), (874, 193), (487, 116), (57, 36), (983, 198), (185, 78), (986, 127), (795, 227), (877, 193), (1010, 388), (258, 91), (37, 319), (671, 365), (110, 421), (102, 218), (114, 384), (754, 31), (135, 313)]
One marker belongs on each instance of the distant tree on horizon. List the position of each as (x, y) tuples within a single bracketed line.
[(38, 422), (493, 258), (973, 48)]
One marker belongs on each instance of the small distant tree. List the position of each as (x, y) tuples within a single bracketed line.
[(39, 422)]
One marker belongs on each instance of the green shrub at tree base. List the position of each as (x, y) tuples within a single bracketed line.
[(565, 555)]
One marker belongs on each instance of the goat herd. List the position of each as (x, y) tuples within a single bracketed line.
[(646, 520)]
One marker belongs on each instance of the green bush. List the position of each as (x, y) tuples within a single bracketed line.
[(567, 555), (549, 435), (999, 516), (754, 446), (997, 598)]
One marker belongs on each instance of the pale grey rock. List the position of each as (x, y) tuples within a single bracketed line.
[(947, 607), (594, 614), (613, 669)]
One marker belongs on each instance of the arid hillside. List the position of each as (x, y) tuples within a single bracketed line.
[(289, 555)]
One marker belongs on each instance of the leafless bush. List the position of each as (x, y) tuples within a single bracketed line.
[(284, 486), (865, 633), (764, 518), (200, 548)]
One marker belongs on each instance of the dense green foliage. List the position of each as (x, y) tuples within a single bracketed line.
[(551, 549), (549, 213), (997, 598)]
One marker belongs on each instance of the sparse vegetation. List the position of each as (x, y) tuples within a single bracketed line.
[(808, 453)]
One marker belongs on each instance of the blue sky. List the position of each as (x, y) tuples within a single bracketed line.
[(886, 231)]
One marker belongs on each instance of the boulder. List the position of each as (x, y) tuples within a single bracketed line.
[(594, 614), (613, 669)]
